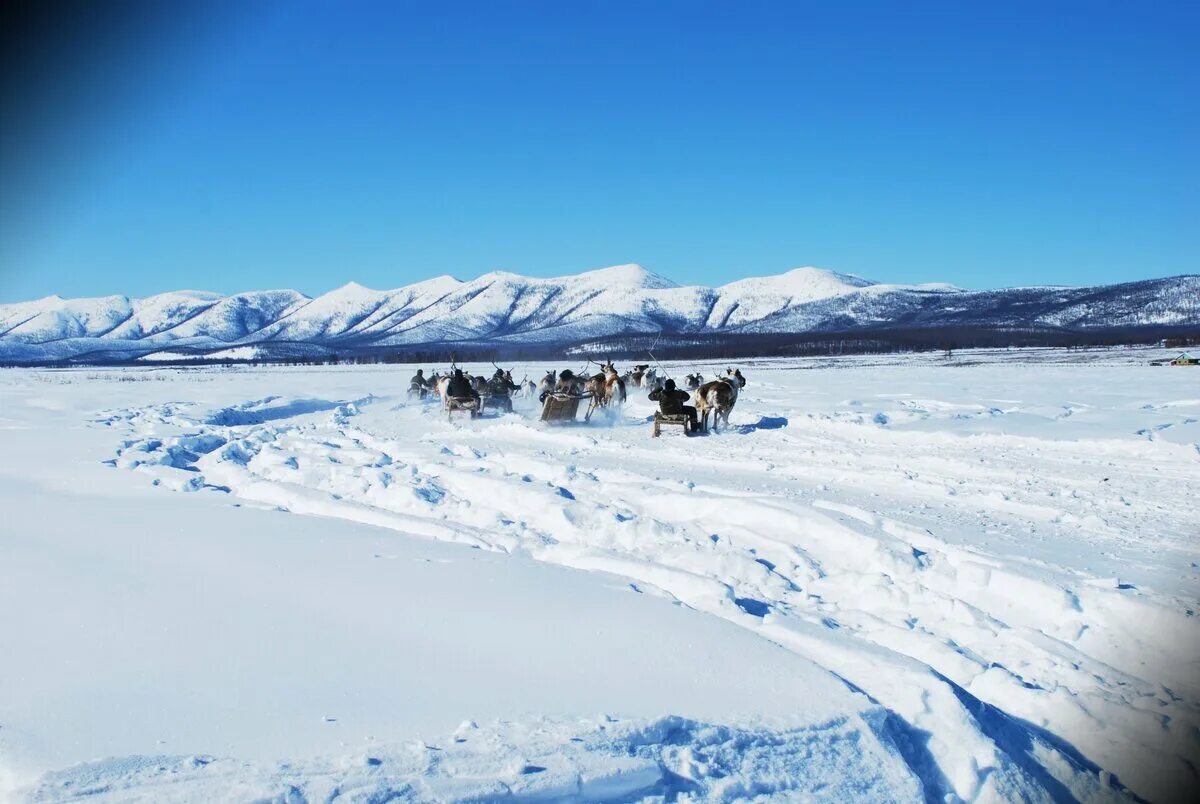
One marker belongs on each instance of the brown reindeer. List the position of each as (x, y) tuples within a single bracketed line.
[(570, 383), (719, 397), (604, 388)]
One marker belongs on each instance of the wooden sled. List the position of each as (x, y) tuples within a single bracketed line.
[(561, 407), (461, 404), (672, 419)]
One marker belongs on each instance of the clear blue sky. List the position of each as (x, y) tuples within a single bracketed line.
[(307, 144)]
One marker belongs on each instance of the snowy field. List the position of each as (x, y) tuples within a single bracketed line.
[(902, 578)]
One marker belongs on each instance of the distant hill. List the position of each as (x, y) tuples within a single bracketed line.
[(507, 312)]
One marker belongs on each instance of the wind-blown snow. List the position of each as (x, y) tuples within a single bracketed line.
[(501, 306), (897, 579)]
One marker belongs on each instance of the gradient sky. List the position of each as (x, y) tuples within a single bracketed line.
[(235, 146)]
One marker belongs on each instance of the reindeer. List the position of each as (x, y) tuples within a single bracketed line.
[(569, 383), (639, 371), (434, 384), (479, 383), (604, 388), (525, 388), (546, 386), (694, 381), (719, 397)]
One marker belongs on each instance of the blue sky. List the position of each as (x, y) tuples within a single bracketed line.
[(307, 144)]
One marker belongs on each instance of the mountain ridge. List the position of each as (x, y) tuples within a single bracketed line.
[(504, 307)]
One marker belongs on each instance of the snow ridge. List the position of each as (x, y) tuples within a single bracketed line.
[(566, 310)]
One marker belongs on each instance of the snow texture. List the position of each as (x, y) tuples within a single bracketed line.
[(966, 579)]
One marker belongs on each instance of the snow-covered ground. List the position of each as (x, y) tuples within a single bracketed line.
[(902, 578)]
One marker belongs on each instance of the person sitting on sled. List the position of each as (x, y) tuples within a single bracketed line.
[(500, 384), (418, 385), (671, 402), (499, 388), (460, 387)]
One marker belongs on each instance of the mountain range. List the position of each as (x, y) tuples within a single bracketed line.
[(501, 308)]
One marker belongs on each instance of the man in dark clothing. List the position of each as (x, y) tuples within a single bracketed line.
[(671, 402), (500, 384), (417, 384), (460, 387), (499, 387)]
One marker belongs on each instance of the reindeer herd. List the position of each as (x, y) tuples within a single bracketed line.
[(715, 398)]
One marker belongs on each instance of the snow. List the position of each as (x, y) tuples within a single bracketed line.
[(897, 578), (565, 310), (631, 275), (236, 353), (543, 760), (750, 300)]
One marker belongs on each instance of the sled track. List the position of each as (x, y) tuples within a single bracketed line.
[(1003, 675)]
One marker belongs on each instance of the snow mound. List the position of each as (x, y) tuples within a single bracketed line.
[(632, 275), (800, 284)]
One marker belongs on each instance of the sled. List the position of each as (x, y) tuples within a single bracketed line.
[(461, 404), (500, 402), (673, 419), (561, 407)]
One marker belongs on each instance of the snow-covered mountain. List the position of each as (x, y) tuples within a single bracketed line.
[(502, 307)]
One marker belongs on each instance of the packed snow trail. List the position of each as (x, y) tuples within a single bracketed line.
[(1009, 573)]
